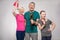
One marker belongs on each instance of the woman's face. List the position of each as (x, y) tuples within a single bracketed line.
[(21, 10), (43, 15)]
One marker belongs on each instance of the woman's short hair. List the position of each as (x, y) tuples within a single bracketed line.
[(42, 11)]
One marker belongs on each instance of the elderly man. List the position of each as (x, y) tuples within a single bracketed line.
[(31, 17)]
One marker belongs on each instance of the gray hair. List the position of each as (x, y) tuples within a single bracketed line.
[(32, 3)]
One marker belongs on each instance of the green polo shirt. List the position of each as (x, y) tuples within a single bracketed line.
[(31, 28)]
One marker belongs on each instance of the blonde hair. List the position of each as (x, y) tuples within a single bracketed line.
[(20, 8)]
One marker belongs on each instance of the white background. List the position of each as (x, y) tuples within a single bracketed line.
[(8, 22)]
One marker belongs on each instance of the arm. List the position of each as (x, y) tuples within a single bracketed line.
[(25, 22), (52, 26), (37, 18), (14, 14), (41, 27), (36, 22), (25, 18)]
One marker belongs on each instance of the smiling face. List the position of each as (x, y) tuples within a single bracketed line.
[(21, 10), (31, 6)]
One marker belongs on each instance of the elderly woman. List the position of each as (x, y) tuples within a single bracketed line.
[(20, 31)]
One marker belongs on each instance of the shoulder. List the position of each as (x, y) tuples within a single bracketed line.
[(49, 21), (37, 14), (26, 12), (36, 11), (17, 14)]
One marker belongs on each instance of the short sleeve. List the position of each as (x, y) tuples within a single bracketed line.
[(17, 15), (50, 21), (40, 22), (38, 16)]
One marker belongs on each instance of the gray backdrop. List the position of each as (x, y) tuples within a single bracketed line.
[(8, 22)]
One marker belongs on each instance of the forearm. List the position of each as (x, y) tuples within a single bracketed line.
[(41, 27), (25, 22), (36, 22), (52, 27), (14, 13)]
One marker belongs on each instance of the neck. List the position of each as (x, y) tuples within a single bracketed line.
[(31, 10), (44, 19), (20, 13)]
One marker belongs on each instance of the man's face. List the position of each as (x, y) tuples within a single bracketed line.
[(31, 6), (43, 15)]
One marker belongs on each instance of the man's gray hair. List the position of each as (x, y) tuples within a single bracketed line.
[(32, 3)]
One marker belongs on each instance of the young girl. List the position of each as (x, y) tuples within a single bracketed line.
[(20, 31)]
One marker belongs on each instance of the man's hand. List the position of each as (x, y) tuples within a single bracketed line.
[(32, 21)]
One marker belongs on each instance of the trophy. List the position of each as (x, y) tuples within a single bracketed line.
[(31, 18)]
